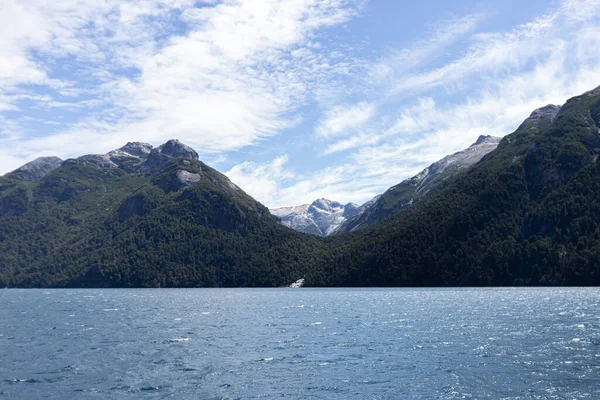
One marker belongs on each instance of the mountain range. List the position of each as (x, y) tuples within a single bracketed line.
[(528, 213), (322, 217), (524, 211), (143, 217), (325, 217)]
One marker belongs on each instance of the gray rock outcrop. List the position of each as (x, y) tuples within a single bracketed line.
[(547, 113), (37, 169)]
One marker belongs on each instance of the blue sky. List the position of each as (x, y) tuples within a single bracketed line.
[(294, 100)]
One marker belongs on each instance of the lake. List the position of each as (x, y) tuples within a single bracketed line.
[(510, 343)]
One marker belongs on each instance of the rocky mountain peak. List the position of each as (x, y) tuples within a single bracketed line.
[(163, 154), (322, 217), (174, 148), (325, 205), (486, 139), (350, 210), (546, 113), (37, 169), (99, 160), (137, 149), (413, 189)]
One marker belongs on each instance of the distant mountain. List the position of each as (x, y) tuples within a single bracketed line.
[(143, 217), (36, 169), (322, 217), (414, 189), (325, 217), (528, 213)]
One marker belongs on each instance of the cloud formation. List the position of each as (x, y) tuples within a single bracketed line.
[(343, 120), (217, 75), (252, 81), (425, 108)]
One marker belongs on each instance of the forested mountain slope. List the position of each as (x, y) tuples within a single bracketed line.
[(527, 214), (139, 217)]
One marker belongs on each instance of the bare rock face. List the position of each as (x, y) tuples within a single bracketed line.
[(486, 139), (174, 148), (163, 154), (186, 178), (322, 217), (177, 180), (137, 149), (99, 160), (547, 113), (132, 150), (36, 169)]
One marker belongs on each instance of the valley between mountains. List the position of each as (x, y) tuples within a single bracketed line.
[(519, 210)]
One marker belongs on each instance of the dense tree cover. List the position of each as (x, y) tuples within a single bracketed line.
[(527, 214), (105, 227)]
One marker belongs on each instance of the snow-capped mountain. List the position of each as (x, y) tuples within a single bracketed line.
[(325, 217), (322, 217)]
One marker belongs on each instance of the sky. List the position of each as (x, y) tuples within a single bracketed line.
[(294, 100)]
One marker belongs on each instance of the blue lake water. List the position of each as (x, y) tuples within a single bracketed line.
[(538, 343)]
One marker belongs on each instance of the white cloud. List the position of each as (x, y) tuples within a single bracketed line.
[(429, 113), (360, 139), (219, 77), (275, 185), (400, 62), (261, 181), (236, 73), (341, 120)]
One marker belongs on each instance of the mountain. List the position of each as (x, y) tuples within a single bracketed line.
[(528, 213), (325, 217), (36, 169), (322, 217), (140, 216), (414, 189)]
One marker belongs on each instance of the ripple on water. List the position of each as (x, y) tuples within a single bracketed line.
[(425, 343)]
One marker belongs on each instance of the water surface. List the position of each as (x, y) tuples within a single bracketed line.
[(301, 343)]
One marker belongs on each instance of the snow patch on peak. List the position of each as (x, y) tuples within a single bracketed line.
[(464, 158), (136, 149), (322, 217), (325, 206), (284, 211), (99, 160)]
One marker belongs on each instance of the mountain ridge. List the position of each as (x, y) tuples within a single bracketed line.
[(36, 169), (322, 217), (525, 213), (157, 218), (413, 189), (394, 199)]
